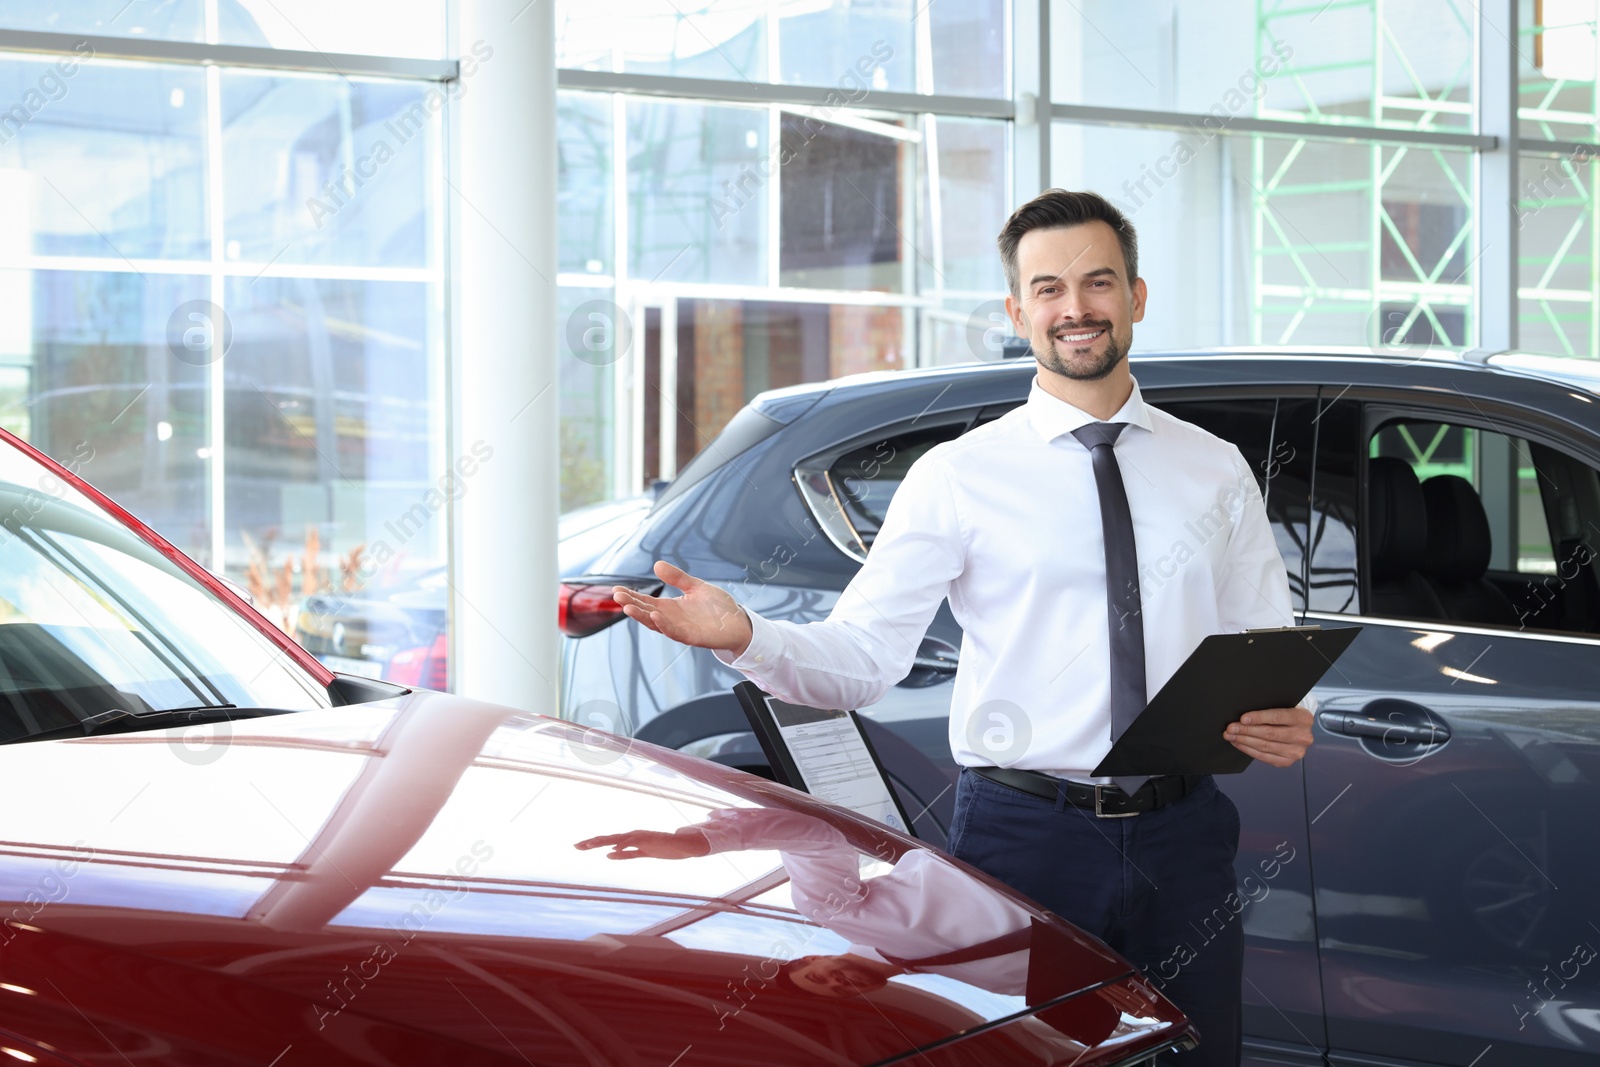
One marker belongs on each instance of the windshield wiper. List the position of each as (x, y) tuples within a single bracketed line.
[(117, 720)]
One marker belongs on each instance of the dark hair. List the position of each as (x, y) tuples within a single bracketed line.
[(1056, 208)]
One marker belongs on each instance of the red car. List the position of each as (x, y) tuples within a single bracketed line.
[(214, 851)]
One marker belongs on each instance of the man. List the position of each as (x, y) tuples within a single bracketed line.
[(1034, 527)]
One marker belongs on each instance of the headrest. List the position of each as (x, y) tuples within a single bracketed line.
[(1397, 518), (1458, 530)]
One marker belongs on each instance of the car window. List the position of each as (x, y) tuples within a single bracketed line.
[(868, 477), (849, 495), (1510, 524), (95, 621)]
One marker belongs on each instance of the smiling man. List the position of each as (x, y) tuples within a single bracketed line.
[(1034, 526)]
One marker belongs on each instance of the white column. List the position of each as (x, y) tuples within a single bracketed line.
[(1495, 212), (1030, 72), (501, 196)]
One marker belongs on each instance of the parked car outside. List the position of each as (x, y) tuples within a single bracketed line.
[(215, 851), (400, 633), (1424, 886)]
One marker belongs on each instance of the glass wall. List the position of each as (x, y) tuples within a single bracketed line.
[(1268, 240), (221, 297), (896, 45), (712, 249), (1301, 174)]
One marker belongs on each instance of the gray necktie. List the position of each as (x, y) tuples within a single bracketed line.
[(1122, 583)]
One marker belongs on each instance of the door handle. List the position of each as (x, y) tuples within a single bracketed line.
[(1394, 722)]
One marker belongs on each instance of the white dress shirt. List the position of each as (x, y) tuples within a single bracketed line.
[(1005, 522), (925, 906)]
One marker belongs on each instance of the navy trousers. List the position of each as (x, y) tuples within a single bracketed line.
[(1155, 887)]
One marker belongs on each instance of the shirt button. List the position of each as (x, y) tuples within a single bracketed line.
[(761, 659)]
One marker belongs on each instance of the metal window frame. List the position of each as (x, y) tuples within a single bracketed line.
[(199, 53)]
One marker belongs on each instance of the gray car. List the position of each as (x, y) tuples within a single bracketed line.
[(1424, 888)]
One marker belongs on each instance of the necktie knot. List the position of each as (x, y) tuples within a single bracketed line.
[(1098, 433)]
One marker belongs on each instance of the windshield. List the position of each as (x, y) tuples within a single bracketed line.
[(94, 620)]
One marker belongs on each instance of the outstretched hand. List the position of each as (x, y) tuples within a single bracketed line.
[(651, 844), (1279, 736), (704, 616)]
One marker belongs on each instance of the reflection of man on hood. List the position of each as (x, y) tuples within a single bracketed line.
[(924, 916)]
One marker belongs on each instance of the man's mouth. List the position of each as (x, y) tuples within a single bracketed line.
[(1080, 337)]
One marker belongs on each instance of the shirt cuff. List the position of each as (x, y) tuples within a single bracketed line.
[(721, 833), (765, 645)]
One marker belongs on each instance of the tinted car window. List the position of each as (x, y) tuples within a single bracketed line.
[(1534, 504), (867, 478)]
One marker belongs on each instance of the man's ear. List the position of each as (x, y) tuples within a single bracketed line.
[(1139, 295), (1019, 319)]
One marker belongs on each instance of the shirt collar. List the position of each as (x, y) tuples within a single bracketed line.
[(1052, 417)]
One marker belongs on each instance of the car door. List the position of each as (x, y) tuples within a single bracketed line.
[(1452, 787), (1273, 430)]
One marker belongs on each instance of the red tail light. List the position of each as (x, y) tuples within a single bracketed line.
[(584, 605), (423, 667)]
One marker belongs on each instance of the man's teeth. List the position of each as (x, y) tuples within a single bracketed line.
[(1086, 336)]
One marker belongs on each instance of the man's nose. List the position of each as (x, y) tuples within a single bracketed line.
[(1072, 308)]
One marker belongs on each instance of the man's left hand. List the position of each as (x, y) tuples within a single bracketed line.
[(1279, 736)]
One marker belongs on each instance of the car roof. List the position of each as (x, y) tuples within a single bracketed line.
[(1575, 371)]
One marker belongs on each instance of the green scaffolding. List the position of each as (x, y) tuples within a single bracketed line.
[(1295, 279), (1557, 283)]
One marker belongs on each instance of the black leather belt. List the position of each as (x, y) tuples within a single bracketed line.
[(1106, 801)]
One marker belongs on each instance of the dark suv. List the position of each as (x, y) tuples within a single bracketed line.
[(1425, 886)]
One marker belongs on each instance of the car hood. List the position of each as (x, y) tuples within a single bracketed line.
[(397, 882)]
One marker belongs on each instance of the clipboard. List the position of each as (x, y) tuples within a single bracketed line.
[(824, 752), (1180, 730)]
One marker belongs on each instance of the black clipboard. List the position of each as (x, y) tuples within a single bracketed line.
[(837, 762), (1180, 731)]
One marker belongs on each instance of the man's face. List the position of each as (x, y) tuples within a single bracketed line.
[(836, 976), (1077, 305)]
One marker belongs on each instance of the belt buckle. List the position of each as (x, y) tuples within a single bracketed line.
[(1100, 811)]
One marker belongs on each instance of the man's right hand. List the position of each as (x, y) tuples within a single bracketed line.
[(704, 616)]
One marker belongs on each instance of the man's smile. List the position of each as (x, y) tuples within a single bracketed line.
[(1080, 337)]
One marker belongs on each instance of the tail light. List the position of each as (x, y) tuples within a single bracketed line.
[(585, 607), (423, 667)]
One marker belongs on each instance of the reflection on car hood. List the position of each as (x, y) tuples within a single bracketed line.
[(397, 882)]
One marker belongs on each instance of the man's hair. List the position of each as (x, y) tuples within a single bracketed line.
[(1055, 208)]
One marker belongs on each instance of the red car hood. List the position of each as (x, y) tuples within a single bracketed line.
[(396, 883)]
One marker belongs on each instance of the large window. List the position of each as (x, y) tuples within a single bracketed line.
[(221, 288), (714, 249)]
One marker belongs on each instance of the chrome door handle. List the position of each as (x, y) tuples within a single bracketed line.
[(1396, 728)]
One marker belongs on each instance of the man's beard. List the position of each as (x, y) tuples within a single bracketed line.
[(1050, 357)]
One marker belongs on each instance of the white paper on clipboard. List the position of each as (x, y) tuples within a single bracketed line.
[(831, 755)]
